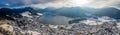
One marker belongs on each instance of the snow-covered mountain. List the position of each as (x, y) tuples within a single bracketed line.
[(11, 13)]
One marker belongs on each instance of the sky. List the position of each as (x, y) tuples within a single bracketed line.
[(61, 3), (81, 3)]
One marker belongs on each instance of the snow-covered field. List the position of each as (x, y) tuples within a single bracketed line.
[(91, 26)]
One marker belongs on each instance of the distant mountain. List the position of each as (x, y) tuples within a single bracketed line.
[(78, 13), (8, 13), (83, 12), (111, 12)]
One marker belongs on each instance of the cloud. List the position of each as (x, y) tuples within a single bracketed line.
[(64, 3), (98, 21), (4, 4), (70, 3), (103, 3), (36, 1), (55, 4), (117, 6), (25, 2)]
